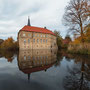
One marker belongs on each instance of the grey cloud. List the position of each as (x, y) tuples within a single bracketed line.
[(14, 13)]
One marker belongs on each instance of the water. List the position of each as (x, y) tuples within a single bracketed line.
[(44, 70)]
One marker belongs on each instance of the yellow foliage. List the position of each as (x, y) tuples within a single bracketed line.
[(9, 44)]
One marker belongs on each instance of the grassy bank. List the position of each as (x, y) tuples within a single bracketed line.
[(79, 48)]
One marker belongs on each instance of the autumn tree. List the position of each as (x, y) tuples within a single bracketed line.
[(9, 44), (68, 38), (77, 15), (1, 41), (87, 33), (59, 38)]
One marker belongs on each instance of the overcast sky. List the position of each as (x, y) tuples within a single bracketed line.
[(14, 15)]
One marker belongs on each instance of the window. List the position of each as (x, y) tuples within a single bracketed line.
[(28, 57), (33, 35), (41, 57), (29, 34), (46, 40), (46, 36), (46, 57), (38, 58), (24, 41), (28, 40), (24, 34), (24, 57), (41, 40), (37, 35), (41, 35), (34, 40), (37, 40), (33, 58)]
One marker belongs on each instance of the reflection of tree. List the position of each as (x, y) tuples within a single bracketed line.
[(65, 54), (59, 59), (79, 76), (9, 55)]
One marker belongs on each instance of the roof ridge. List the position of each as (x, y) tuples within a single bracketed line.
[(37, 29)]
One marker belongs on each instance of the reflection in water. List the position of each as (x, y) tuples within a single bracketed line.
[(78, 77), (30, 61), (9, 55), (69, 71)]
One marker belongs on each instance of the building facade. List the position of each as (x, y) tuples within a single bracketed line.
[(31, 59), (31, 37)]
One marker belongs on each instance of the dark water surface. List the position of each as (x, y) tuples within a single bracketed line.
[(44, 70)]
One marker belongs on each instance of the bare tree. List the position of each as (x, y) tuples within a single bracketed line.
[(77, 15)]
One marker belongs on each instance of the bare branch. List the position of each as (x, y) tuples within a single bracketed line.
[(76, 15)]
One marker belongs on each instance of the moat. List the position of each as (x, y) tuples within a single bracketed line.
[(44, 70)]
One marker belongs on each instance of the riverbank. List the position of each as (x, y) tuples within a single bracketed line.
[(9, 44), (79, 48)]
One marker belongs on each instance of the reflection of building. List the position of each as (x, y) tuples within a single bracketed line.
[(36, 60), (31, 37)]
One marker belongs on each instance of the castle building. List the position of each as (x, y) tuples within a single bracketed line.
[(30, 37), (30, 61)]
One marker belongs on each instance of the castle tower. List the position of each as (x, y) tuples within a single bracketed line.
[(28, 21)]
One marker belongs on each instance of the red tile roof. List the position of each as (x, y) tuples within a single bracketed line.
[(35, 69), (37, 29)]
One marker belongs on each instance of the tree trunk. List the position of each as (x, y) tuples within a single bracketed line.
[(82, 34)]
